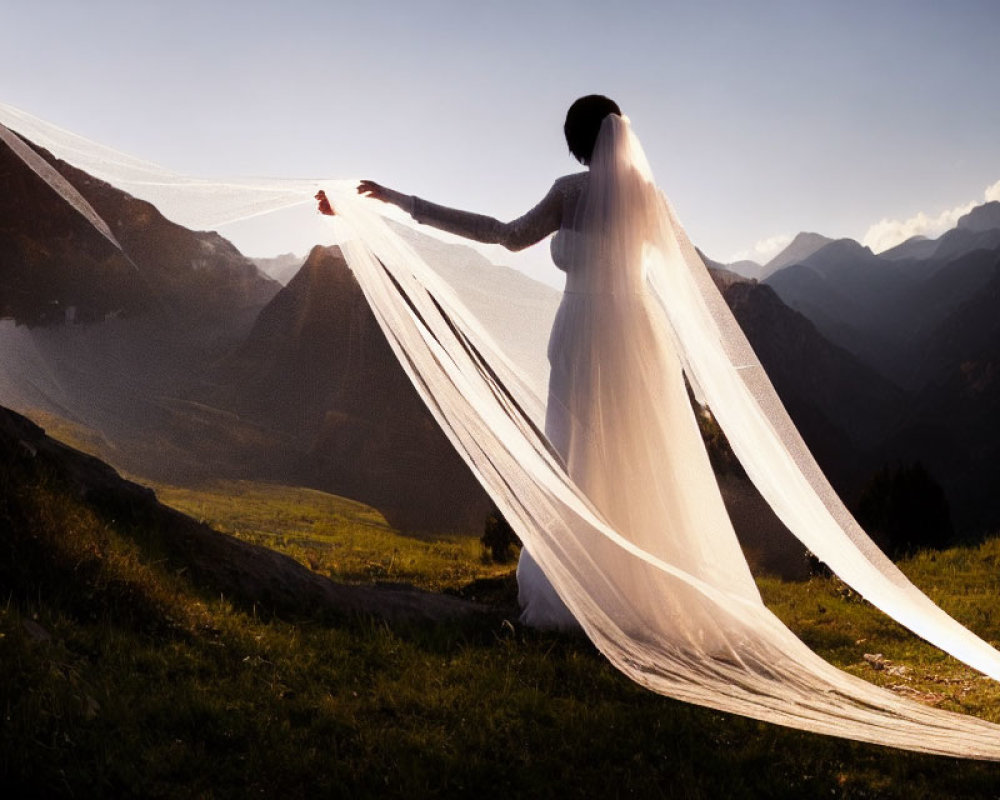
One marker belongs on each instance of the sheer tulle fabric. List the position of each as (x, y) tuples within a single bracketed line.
[(633, 534)]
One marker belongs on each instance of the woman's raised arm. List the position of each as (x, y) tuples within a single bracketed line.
[(532, 227)]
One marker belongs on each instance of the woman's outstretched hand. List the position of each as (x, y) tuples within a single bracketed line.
[(324, 204), (374, 190), (379, 192)]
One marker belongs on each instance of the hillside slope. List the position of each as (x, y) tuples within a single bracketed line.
[(64, 513)]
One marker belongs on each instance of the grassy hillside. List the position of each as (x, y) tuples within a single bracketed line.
[(337, 537), (122, 674)]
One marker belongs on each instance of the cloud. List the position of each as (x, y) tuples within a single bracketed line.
[(888, 233), (766, 249)]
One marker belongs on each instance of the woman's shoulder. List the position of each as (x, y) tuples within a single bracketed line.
[(568, 188), (572, 182)]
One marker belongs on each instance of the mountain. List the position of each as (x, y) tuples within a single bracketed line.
[(922, 315), (914, 248), (840, 406), (317, 368), (54, 265), (178, 380), (985, 217), (800, 248), (881, 307), (151, 322), (938, 298), (746, 268), (953, 425), (842, 287), (280, 268), (959, 241), (724, 274)]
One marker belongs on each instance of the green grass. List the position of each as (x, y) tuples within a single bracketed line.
[(843, 628), (343, 539), (118, 677)]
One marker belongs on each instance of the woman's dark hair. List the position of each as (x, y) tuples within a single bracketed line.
[(583, 123)]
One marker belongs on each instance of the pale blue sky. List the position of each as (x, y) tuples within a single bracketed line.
[(760, 118)]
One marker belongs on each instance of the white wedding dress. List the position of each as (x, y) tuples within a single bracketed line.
[(615, 501), (617, 412)]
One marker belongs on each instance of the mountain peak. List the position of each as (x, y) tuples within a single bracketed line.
[(801, 247), (982, 218)]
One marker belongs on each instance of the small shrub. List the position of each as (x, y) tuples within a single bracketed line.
[(499, 538)]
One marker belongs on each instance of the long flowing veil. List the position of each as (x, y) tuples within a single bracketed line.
[(679, 631)]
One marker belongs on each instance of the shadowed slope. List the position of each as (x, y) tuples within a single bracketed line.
[(33, 466)]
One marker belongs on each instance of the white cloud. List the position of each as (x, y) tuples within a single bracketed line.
[(765, 249), (888, 233)]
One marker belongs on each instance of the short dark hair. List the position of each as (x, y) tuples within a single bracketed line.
[(583, 123)]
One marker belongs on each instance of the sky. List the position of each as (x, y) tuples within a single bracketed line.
[(875, 120)]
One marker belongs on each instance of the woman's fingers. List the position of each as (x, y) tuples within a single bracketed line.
[(371, 189)]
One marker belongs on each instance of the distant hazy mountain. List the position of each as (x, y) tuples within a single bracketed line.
[(800, 248), (959, 241), (982, 218), (280, 268), (977, 230), (841, 288), (746, 268), (916, 247), (882, 307), (725, 274), (52, 260)]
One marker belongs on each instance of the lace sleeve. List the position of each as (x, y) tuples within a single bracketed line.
[(539, 222)]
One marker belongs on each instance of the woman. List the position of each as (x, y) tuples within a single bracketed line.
[(617, 502), (618, 412)]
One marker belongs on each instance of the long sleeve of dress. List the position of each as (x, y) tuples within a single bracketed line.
[(539, 222)]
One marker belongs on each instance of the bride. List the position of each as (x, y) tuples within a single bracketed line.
[(624, 527), (618, 412)]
